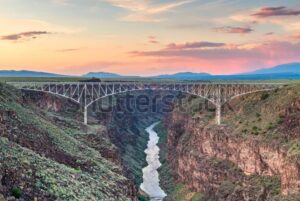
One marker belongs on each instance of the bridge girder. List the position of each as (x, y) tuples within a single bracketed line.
[(86, 93)]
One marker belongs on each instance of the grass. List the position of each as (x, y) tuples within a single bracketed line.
[(197, 197), (182, 193), (56, 179), (260, 114), (295, 148), (270, 183), (226, 188)]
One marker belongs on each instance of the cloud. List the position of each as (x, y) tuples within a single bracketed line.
[(193, 45), (296, 35), (152, 39), (231, 58), (291, 26), (69, 50), (24, 35), (234, 30), (145, 10), (269, 33), (279, 16), (275, 11), (271, 51)]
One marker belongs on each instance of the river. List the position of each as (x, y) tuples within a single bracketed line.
[(150, 183)]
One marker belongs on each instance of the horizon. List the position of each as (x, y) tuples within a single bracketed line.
[(147, 37), (141, 75)]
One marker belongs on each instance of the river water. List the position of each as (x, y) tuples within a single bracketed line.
[(150, 183)]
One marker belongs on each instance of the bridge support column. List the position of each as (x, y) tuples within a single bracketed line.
[(218, 114), (85, 113)]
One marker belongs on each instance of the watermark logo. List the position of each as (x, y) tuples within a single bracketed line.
[(153, 103)]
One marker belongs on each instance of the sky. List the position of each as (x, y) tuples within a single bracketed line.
[(148, 37)]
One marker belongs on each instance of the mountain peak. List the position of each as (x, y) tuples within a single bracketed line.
[(291, 68), (184, 75), (102, 75)]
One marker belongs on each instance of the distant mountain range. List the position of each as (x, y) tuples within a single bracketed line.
[(292, 68), (184, 76), (107, 75), (285, 71), (102, 75), (25, 73)]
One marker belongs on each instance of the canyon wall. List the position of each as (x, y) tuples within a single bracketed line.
[(46, 153), (226, 163), (203, 157)]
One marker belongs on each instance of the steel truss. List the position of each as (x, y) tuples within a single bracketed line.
[(86, 93)]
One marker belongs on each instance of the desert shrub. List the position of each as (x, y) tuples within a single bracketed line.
[(280, 120), (142, 198), (270, 126), (226, 188), (264, 96), (16, 192)]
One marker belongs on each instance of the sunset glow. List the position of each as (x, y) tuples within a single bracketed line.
[(148, 37)]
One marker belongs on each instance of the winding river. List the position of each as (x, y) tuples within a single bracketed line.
[(150, 183)]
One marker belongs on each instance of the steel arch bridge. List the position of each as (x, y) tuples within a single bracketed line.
[(86, 93)]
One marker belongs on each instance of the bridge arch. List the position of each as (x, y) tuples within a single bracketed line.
[(151, 89), (54, 94), (85, 93), (86, 107)]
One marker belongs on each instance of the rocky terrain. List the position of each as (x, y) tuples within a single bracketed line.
[(47, 154), (254, 155)]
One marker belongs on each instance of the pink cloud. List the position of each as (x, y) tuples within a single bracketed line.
[(234, 30), (24, 35), (193, 45), (276, 11), (230, 58), (152, 39), (269, 33), (296, 36)]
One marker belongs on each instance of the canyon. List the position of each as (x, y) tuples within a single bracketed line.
[(48, 154)]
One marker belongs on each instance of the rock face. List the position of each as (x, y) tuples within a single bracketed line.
[(205, 157)]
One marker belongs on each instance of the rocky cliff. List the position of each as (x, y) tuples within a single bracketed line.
[(253, 156), (47, 154)]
